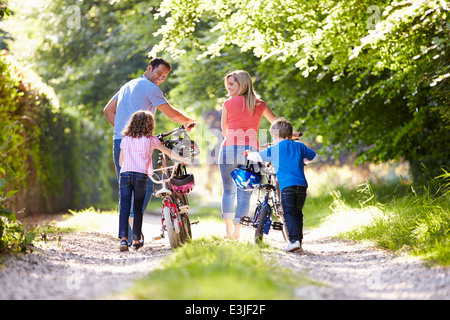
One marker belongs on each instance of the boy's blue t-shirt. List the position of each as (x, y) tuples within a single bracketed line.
[(287, 159), (137, 94)]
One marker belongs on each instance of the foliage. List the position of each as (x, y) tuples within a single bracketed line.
[(4, 11), (198, 269), (86, 50), (416, 223), (40, 144), (15, 151), (366, 77), (13, 238)]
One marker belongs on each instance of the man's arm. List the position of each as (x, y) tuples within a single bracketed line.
[(110, 110), (176, 115)]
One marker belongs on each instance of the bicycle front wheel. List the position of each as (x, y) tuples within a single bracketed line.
[(261, 224), (172, 234)]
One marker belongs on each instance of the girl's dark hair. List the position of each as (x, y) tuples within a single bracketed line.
[(140, 124)]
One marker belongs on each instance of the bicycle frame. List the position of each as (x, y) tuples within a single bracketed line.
[(271, 201), (268, 208)]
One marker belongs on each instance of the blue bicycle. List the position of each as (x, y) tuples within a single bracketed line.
[(268, 212)]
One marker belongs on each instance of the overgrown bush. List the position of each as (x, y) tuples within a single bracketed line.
[(50, 159)]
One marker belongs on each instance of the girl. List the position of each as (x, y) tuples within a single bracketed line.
[(241, 115), (135, 161)]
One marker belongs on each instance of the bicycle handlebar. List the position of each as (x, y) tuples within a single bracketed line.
[(174, 168), (180, 128)]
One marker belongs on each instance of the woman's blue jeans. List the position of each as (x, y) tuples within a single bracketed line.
[(292, 200), (133, 186), (230, 158)]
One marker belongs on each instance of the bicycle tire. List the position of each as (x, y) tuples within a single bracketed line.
[(185, 231), (174, 237), (263, 213), (280, 211), (284, 230)]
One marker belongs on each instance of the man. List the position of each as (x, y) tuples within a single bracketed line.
[(142, 93)]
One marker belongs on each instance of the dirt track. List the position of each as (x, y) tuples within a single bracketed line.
[(90, 266)]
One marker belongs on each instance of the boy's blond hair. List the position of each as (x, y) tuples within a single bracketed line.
[(282, 129)]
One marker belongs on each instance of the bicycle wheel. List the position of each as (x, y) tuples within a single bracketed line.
[(181, 201), (280, 215), (284, 230), (174, 237), (263, 216), (185, 231)]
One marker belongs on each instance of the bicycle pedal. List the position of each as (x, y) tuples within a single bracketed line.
[(195, 222), (246, 221), (277, 226)]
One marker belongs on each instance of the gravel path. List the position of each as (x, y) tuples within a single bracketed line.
[(348, 270), (90, 266)]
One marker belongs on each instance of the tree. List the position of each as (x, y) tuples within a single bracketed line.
[(371, 78), (86, 50)]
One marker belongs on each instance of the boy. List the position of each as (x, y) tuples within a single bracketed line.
[(288, 158)]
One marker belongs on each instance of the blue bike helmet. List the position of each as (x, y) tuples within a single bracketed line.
[(245, 179)]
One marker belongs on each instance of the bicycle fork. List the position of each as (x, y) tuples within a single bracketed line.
[(173, 215)]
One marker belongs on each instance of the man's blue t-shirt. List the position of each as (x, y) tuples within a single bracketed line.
[(137, 94), (287, 159)]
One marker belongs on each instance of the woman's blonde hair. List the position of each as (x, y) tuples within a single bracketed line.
[(140, 124), (245, 88)]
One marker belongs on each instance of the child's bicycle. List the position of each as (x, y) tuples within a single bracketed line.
[(176, 183), (268, 209)]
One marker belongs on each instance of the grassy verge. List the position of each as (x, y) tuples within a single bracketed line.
[(212, 268), (412, 220)]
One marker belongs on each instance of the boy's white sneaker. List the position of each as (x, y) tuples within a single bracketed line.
[(293, 246)]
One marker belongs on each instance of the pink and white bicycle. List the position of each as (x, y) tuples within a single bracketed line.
[(175, 184)]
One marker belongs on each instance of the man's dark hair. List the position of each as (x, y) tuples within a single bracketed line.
[(155, 62)]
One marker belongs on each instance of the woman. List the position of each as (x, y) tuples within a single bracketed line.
[(241, 115)]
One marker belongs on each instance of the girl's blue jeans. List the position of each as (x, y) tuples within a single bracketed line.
[(230, 158), (133, 186), (292, 200), (149, 192)]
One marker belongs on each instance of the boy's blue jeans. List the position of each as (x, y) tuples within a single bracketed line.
[(133, 186), (230, 158), (292, 200)]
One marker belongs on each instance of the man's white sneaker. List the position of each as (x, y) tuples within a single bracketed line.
[(293, 246)]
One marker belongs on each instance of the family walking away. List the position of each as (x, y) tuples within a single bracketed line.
[(131, 112), (288, 158)]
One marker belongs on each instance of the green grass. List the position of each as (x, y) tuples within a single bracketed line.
[(217, 269), (416, 223)]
